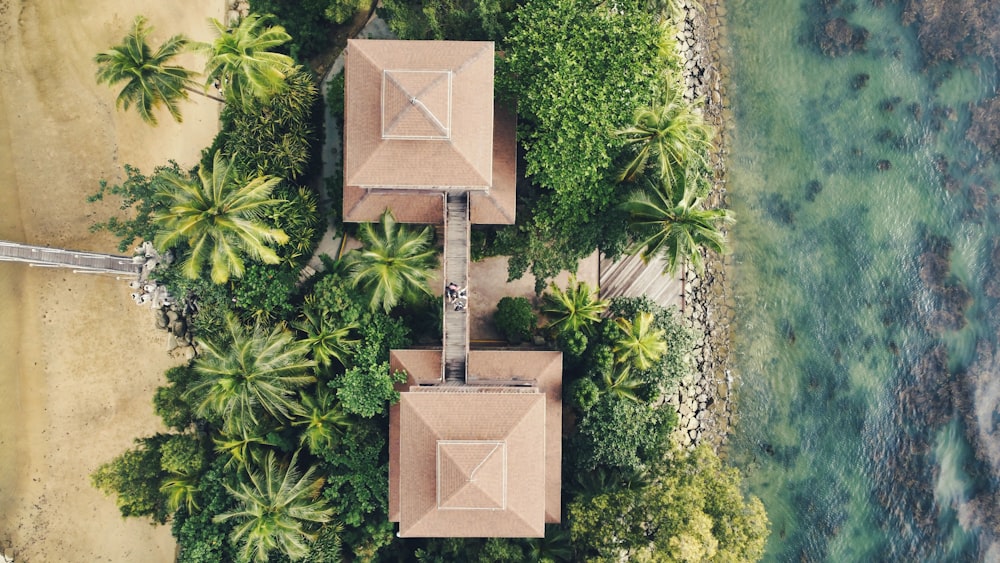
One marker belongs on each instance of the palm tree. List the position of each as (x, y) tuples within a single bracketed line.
[(396, 263), (218, 218), (667, 136), (671, 223), (328, 342), (620, 382), (323, 418), (245, 373), (241, 61), (576, 309), (150, 81), (279, 509), (639, 342), (242, 445), (181, 489)]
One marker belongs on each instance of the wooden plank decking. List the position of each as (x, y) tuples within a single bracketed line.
[(89, 262), (631, 277), (456, 269)]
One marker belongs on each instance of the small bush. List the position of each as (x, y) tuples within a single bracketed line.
[(573, 343), (583, 394), (514, 319)]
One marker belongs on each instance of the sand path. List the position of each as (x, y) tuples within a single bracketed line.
[(80, 361)]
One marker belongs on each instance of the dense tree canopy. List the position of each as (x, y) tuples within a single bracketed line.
[(691, 510), (577, 72)]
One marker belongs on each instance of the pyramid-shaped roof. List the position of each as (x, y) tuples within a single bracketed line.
[(444, 457), (419, 114), (416, 104), (472, 475), (465, 453)]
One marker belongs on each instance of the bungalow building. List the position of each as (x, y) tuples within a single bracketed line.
[(475, 440)]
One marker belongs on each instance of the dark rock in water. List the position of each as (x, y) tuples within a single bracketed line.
[(916, 110), (949, 183), (941, 163), (946, 112), (837, 37), (993, 285), (885, 135), (889, 104), (883, 165), (978, 197), (935, 262), (779, 208), (950, 297), (860, 80), (984, 127), (813, 188), (947, 30)]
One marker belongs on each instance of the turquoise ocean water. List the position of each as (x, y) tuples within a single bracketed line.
[(868, 420)]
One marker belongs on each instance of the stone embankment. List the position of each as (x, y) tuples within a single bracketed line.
[(704, 400)]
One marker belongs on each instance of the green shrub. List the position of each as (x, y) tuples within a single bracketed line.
[(335, 96), (273, 137), (514, 319), (182, 454), (263, 294), (367, 389), (583, 394), (621, 434), (168, 401), (137, 201), (573, 343), (134, 478), (304, 20)]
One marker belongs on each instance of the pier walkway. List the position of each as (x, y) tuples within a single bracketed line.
[(455, 339), (81, 262)]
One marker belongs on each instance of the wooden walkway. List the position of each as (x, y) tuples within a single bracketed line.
[(82, 262), (630, 277), (456, 269)]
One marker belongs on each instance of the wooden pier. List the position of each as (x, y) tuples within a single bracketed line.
[(455, 339), (80, 262)]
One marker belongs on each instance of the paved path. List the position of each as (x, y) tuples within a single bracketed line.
[(85, 262)]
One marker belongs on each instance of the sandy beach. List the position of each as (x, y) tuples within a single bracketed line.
[(80, 360)]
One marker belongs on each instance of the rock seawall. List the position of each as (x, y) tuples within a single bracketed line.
[(704, 401)]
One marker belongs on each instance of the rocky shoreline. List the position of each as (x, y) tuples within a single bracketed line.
[(705, 400)]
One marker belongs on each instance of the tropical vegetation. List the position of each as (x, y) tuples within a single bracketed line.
[(668, 220), (150, 80), (242, 60), (277, 447), (395, 262), (215, 217)]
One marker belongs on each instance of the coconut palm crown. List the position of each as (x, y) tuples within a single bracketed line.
[(244, 374), (218, 217), (639, 342), (279, 508), (669, 221), (240, 59), (665, 137), (150, 81), (395, 262), (577, 308), (328, 341)]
